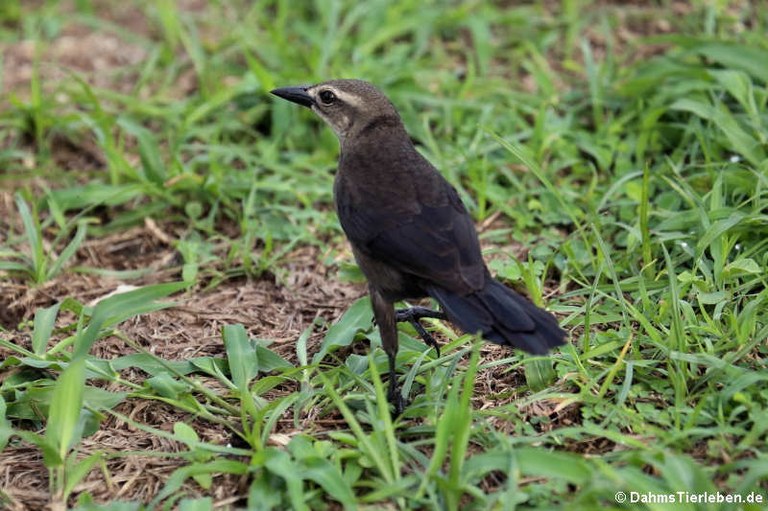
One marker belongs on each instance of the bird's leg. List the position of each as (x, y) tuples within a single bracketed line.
[(394, 395), (384, 314), (413, 314)]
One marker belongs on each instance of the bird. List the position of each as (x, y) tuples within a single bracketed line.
[(410, 233)]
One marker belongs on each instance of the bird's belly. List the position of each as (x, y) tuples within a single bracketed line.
[(393, 284)]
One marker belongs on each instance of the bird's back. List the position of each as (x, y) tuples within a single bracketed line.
[(395, 207)]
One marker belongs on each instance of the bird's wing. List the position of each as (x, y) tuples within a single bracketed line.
[(436, 242)]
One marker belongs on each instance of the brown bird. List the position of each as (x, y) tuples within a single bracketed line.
[(410, 233)]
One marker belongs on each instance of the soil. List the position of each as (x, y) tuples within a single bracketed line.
[(268, 307)]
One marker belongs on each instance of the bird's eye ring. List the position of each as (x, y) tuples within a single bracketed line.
[(327, 97)]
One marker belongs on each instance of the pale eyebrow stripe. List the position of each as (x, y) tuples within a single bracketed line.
[(347, 98)]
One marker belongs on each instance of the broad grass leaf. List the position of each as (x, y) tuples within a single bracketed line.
[(69, 250), (740, 141), (743, 265), (34, 239), (63, 427), (241, 355), (681, 471), (180, 476), (539, 374), (280, 463), (186, 434), (78, 468), (717, 229), (149, 150), (49, 451), (739, 86), (110, 506), (5, 425), (478, 465), (154, 365), (164, 385), (750, 59), (243, 363), (269, 360), (325, 474), (199, 504), (756, 473), (95, 193), (357, 318), (544, 463), (45, 320), (118, 308)]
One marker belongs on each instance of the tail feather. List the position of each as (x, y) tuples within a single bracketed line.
[(502, 316)]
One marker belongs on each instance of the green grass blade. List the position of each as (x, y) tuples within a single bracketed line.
[(118, 308), (34, 239), (69, 250), (63, 427), (45, 320)]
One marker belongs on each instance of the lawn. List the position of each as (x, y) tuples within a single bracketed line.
[(182, 325)]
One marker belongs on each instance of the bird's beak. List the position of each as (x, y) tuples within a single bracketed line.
[(295, 94)]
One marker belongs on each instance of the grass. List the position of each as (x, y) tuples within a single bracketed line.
[(623, 146)]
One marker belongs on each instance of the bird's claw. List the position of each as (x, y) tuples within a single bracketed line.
[(426, 336), (412, 315)]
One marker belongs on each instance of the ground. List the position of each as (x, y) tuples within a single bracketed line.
[(616, 149)]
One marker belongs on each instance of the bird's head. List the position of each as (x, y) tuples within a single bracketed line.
[(347, 106)]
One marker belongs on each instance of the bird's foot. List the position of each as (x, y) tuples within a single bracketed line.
[(395, 397), (413, 314), (417, 313)]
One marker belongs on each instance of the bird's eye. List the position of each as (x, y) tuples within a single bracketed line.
[(327, 97)]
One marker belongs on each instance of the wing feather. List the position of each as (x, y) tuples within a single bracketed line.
[(436, 242)]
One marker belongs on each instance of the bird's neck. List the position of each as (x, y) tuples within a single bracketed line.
[(377, 131), (379, 165)]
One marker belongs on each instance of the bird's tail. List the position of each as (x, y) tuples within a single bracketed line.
[(501, 316)]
